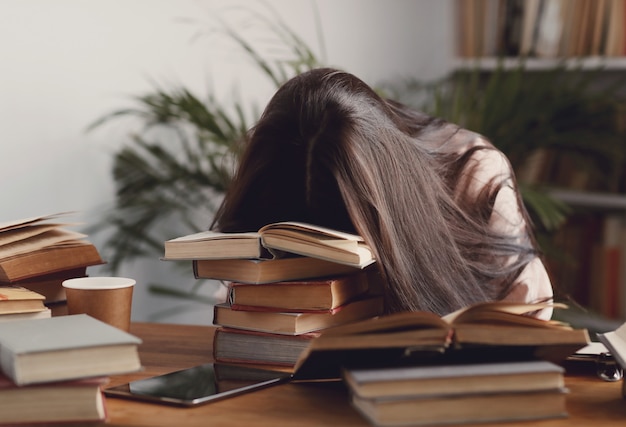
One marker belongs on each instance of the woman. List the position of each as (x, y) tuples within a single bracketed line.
[(438, 204)]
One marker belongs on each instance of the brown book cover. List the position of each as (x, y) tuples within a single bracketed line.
[(297, 323), (298, 296), (259, 271), (48, 260), (51, 285)]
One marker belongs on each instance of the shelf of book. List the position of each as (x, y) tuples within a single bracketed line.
[(541, 64), (541, 28)]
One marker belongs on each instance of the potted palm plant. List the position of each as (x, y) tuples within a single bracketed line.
[(171, 174)]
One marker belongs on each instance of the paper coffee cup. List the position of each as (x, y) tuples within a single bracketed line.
[(108, 299)]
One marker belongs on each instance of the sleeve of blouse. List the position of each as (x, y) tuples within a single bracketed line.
[(534, 282)]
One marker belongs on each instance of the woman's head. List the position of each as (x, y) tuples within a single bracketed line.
[(330, 151), (318, 127)]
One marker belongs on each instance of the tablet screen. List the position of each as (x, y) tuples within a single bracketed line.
[(200, 384)]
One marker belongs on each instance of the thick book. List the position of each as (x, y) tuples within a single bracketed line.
[(289, 323), (51, 285), (79, 401), (258, 348), (65, 348), (258, 271), (298, 296), (16, 299), (274, 239), (464, 409), (454, 379), (49, 260), (492, 331)]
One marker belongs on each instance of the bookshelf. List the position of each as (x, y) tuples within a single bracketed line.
[(541, 29), (587, 256)]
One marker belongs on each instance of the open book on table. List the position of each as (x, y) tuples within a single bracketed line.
[(493, 331), (272, 241)]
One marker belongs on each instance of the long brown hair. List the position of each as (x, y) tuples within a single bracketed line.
[(329, 150)]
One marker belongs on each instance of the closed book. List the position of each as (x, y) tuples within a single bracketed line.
[(267, 270), (51, 285), (49, 260), (273, 240), (79, 401), (16, 299), (240, 346), (65, 348), (303, 295), (296, 323), (454, 379), (463, 409)]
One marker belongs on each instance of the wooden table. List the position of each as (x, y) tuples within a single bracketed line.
[(166, 348)]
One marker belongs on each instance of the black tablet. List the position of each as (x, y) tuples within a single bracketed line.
[(198, 385)]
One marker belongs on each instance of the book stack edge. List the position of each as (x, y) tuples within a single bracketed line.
[(459, 393), (53, 369)]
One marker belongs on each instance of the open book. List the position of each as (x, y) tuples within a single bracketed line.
[(493, 331), (35, 246), (271, 241)]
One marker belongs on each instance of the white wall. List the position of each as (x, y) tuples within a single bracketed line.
[(66, 63)]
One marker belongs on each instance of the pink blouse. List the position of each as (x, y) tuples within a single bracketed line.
[(534, 282)]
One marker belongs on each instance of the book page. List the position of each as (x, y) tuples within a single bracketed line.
[(289, 227), (501, 311), (17, 234), (10, 225), (214, 235), (42, 240)]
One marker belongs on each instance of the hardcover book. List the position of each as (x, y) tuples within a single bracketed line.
[(36, 246), (258, 348), (454, 379), (16, 299), (298, 296), (48, 260), (463, 409), (296, 323), (259, 271), (65, 348), (79, 401)]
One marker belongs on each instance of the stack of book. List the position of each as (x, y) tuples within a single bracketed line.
[(53, 369), (458, 393), (18, 303), (272, 323), (39, 253), (286, 283)]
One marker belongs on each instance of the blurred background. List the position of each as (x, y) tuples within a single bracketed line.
[(68, 63), (126, 112)]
